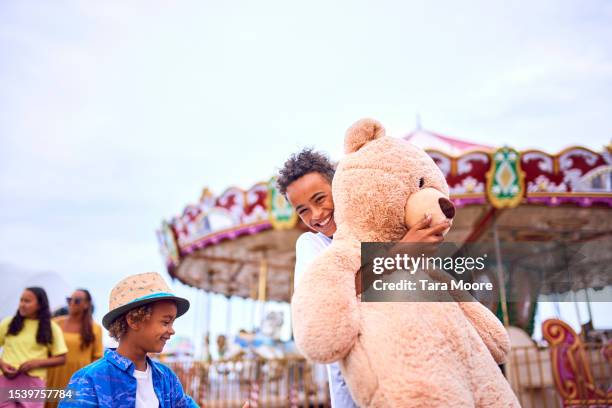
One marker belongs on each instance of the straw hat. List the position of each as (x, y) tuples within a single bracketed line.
[(138, 290)]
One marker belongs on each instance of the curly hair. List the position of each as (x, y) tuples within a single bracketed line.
[(44, 334), (302, 163), (119, 326)]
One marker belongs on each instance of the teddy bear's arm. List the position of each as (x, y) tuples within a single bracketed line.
[(490, 329), (488, 326), (324, 306)]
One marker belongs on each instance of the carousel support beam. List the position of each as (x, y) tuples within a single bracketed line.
[(481, 225), (556, 304), (263, 281), (253, 302), (228, 316), (208, 302), (588, 302), (206, 336), (291, 285), (500, 276), (578, 316), (197, 312), (230, 290), (253, 310)]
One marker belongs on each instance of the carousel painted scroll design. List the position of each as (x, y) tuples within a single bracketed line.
[(280, 212), (505, 179), (571, 371)]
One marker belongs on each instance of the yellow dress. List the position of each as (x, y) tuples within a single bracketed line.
[(77, 358)]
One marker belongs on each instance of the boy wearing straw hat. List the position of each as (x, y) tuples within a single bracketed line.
[(141, 313)]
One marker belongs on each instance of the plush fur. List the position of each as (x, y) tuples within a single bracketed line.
[(394, 354)]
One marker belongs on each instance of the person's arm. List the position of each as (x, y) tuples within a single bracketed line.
[(97, 349), (179, 398), (421, 238), (8, 370), (57, 352), (58, 344), (81, 392), (42, 363), (306, 250)]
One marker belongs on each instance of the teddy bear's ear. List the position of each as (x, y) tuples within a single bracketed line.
[(362, 132)]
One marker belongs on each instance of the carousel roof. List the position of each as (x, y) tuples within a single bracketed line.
[(427, 139), (242, 242)]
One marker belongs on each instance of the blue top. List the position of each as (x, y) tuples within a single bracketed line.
[(110, 383)]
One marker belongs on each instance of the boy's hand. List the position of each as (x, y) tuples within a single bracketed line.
[(423, 232), (421, 238)]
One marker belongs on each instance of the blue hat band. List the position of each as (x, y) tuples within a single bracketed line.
[(152, 296)]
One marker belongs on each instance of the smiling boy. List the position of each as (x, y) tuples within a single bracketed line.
[(306, 181), (141, 314)]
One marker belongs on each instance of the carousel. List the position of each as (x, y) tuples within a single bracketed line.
[(242, 243)]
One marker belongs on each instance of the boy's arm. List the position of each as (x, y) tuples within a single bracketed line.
[(82, 392), (306, 251), (180, 399)]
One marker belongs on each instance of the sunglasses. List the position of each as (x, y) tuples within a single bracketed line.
[(76, 301)]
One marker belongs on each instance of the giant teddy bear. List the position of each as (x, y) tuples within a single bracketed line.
[(394, 354)]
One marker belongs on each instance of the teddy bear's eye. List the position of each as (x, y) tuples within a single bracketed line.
[(421, 182)]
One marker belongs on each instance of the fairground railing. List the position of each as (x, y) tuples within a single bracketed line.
[(287, 382), (295, 383), (531, 373)]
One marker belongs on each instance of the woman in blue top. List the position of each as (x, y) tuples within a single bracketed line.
[(142, 312)]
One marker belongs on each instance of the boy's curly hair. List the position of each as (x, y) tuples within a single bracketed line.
[(299, 164), (119, 326)]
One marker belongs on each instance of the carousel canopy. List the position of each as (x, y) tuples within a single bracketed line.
[(242, 242), (431, 140)]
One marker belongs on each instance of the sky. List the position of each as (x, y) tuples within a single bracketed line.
[(115, 115)]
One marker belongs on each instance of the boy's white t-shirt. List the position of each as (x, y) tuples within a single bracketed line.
[(308, 246), (145, 394)]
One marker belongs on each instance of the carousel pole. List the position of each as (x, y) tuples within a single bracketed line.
[(588, 303), (196, 321), (206, 335), (208, 302), (228, 314), (556, 304), (263, 280), (500, 276), (253, 303), (291, 285), (575, 302), (208, 305)]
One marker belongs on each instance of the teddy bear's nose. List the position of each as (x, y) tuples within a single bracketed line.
[(447, 207)]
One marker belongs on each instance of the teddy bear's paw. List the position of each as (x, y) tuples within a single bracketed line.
[(362, 132)]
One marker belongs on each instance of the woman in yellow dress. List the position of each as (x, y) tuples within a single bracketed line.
[(83, 338)]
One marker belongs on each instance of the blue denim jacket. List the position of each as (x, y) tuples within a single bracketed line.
[(109, 382)]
